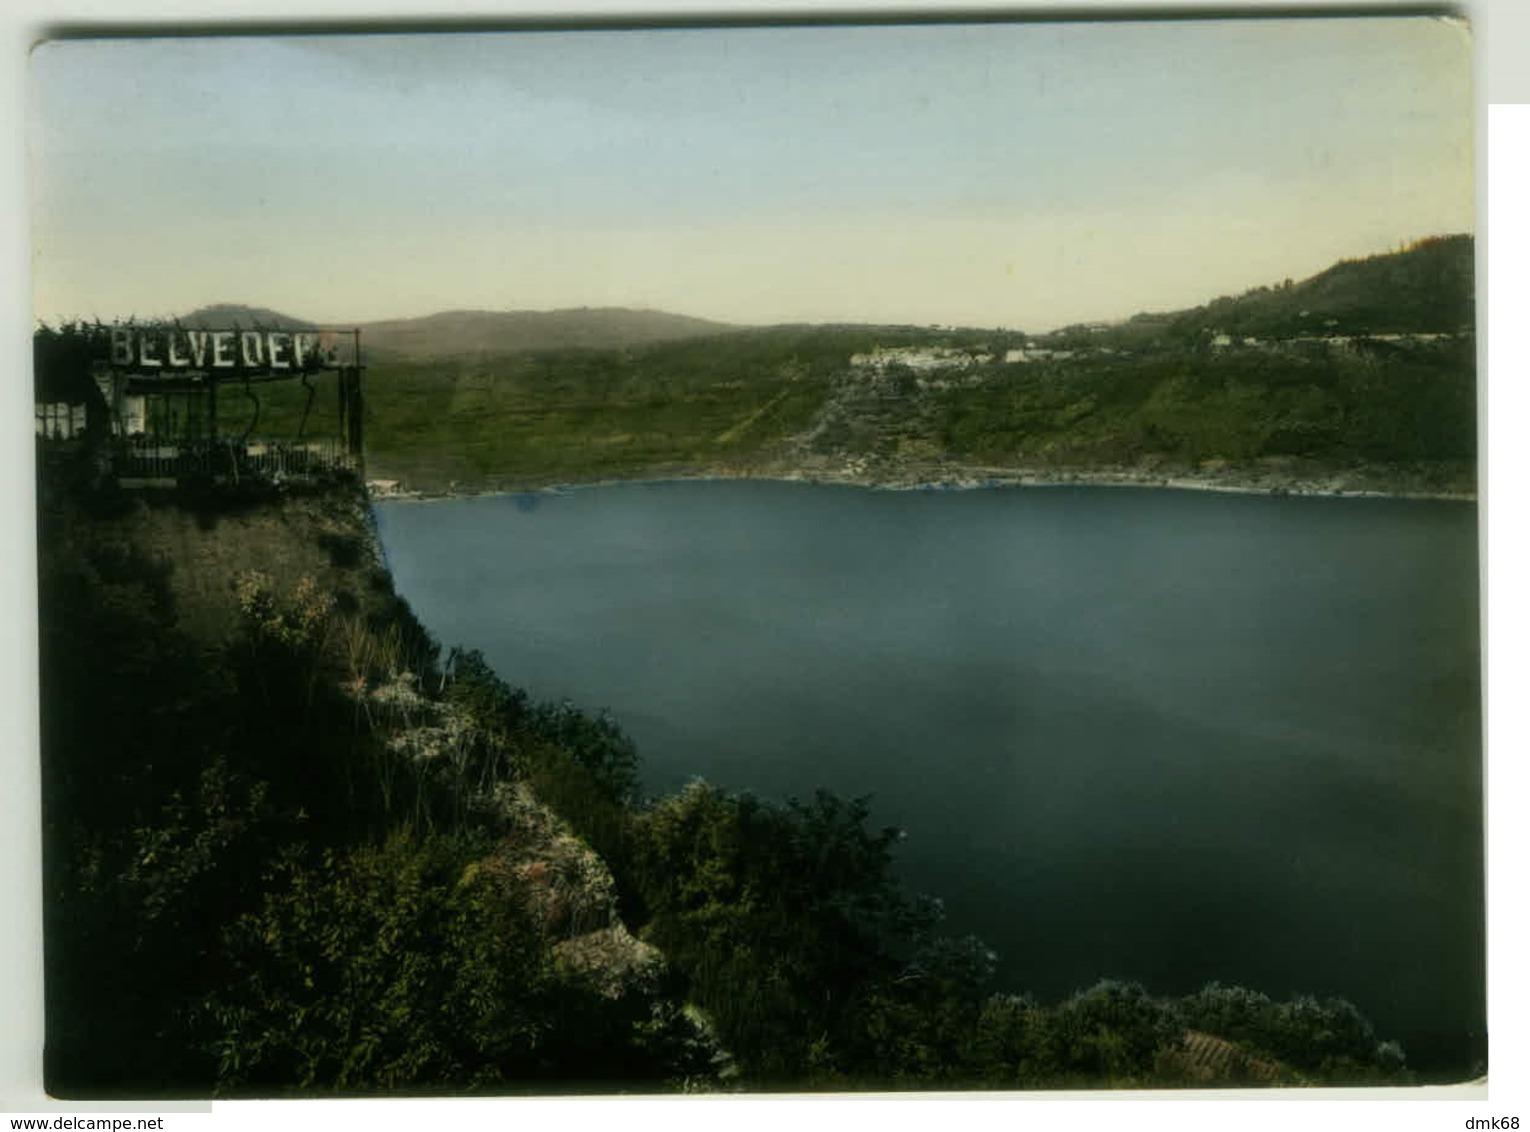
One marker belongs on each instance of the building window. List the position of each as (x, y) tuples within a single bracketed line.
[(59, 420)]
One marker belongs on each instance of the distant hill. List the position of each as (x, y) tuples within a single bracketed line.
[(223, 315), (1427, 288), (452, 334), (458, 333)]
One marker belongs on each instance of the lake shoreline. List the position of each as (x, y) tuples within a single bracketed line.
[(1329, 485)]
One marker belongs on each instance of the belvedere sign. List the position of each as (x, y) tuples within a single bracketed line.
[(172, 349)]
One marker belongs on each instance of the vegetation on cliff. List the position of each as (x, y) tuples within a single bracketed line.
[(291, 849), (274, 861)]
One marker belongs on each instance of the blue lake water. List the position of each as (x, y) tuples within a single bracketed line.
[(1172, 737)]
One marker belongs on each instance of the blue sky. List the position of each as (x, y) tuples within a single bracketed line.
[(979, 174)]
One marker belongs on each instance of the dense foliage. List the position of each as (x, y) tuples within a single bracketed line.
[(1426, 287), (818, 970), (273, 863), (1365, 401)]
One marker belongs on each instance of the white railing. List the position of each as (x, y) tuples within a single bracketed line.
[(146, 457)]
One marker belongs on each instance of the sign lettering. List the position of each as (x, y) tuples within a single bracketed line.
[(164, 350)]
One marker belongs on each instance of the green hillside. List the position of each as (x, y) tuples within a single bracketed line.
[(702, 404), (1363, 376)]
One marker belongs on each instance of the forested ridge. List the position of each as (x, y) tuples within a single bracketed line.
[(1362, 377), (293, 847)]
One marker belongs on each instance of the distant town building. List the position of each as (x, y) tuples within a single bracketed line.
[(920, 359)]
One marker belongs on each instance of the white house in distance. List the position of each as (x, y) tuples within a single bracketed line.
[(920, 359)]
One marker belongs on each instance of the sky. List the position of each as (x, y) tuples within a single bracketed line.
[(994, 174)]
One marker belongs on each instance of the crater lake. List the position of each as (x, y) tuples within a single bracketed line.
[(1171, 737)]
